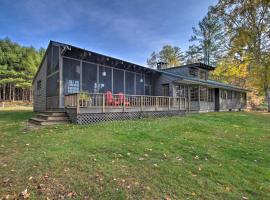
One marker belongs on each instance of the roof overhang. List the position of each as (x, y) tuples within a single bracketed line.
[(211, 84)]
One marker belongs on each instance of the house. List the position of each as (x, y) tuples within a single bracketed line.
[(92, 87)]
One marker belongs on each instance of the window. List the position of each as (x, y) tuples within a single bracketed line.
[(194, 93), (118, 81), (181, 91), (203, 94), (229, 95), (39, 88), (193, 71), (224, 94), (203, 74), (210, 95)]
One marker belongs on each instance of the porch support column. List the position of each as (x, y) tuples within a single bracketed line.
[(61, 85), (81, 75)]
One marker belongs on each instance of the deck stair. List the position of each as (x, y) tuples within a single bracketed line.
[(50, 118)]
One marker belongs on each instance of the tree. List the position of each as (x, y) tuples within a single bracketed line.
[(152, 61), (173, 56), (209, 37), (247, 25), (193, 54), (18, 66)]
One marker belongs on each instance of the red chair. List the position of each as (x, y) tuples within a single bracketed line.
[(109, 98), (110, 101), (122, 99)]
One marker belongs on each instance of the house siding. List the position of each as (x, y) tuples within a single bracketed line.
[(161, 80), (40, 100)]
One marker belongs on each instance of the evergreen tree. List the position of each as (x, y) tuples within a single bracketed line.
[(18, 66), (209, 38)]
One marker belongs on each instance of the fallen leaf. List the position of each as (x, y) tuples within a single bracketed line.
[(25, 194)]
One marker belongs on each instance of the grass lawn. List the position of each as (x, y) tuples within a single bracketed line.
[(202, 156)]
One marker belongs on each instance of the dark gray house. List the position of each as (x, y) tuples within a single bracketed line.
[(91, 87)]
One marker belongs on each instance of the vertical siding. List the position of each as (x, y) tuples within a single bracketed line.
[(40, 100), (161, 80)]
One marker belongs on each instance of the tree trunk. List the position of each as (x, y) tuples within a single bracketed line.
[(13, 93), (4, 92), (268, 98), (10, 88)]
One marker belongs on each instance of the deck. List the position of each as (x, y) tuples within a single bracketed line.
[(94, 107)]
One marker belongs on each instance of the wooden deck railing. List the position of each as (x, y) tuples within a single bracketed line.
[(99, 102)]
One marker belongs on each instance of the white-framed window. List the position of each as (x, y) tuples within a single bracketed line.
[(210, 95), (203, 93)]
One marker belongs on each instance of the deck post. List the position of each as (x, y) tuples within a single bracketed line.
[(156, 103), (169, 103), (103, 103), (78, 102), (124, 105), (141, 103)]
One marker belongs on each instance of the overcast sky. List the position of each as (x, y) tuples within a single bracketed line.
[(126, 29)]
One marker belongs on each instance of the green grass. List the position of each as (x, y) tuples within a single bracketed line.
[(202, 156)]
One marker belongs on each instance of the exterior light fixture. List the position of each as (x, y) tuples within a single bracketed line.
[(141, 80), (103, 72)]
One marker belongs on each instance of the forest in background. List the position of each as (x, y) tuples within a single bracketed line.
[(18, 65), (234, 36)]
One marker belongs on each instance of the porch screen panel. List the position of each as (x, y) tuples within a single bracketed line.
[(139, 84), (118, 81), (71, 76), (55, 58), (89, 77), (129, 83), (53, 85), (105, 79), (49, 61)]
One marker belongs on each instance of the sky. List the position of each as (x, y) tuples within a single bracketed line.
[(126, 29)]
